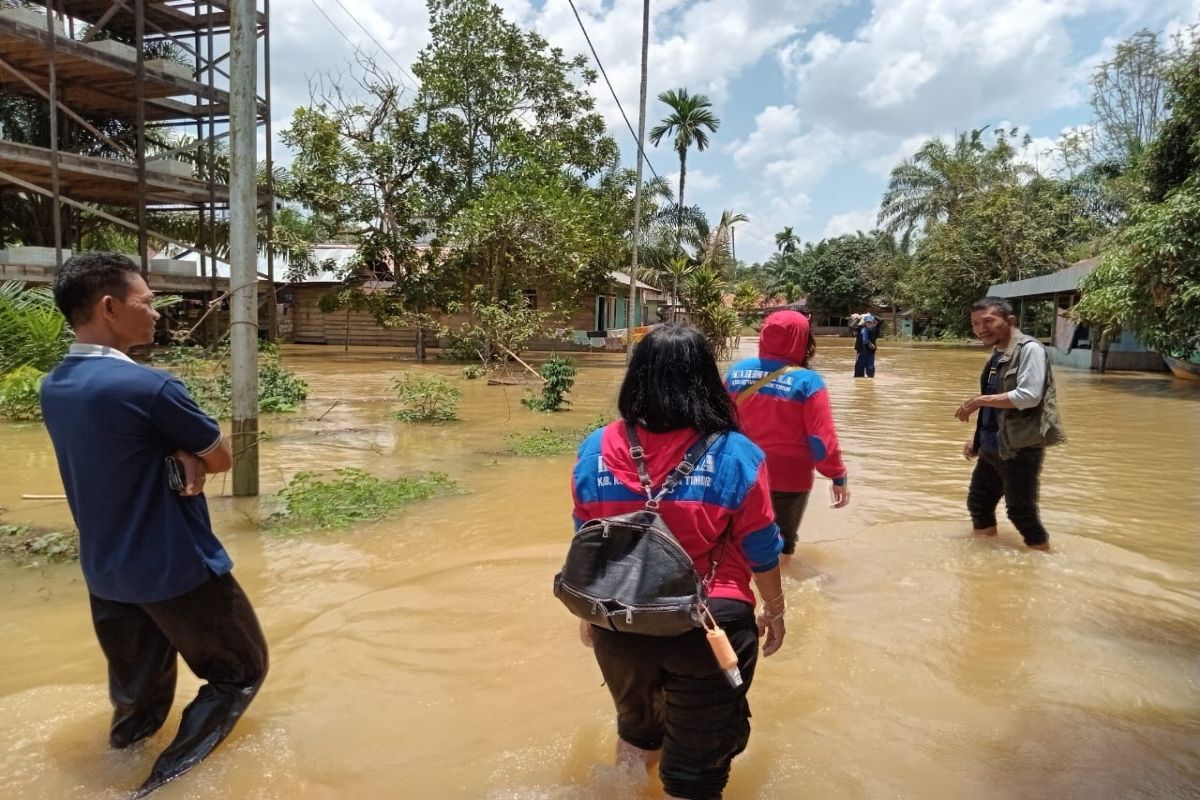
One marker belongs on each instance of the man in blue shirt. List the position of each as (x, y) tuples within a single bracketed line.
[(160, 583), (864, 344)]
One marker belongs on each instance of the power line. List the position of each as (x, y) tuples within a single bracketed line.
[(611, 90), (350, 41), (377, 44)]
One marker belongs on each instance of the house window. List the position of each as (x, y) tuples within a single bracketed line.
[(530, 296)]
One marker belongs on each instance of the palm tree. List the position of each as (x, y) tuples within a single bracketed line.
[(690, 116), (677, 269), (930, 185), (786, 241), (713, 244)]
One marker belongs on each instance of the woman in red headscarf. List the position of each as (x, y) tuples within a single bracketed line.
[(783, 406)]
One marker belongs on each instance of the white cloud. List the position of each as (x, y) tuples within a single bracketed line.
[(851, 222), (697, 181), (919, 65), (773, 126), (703, 45), (768, 215)]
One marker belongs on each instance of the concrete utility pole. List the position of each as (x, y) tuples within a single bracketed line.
[(637, 189), (243, 244)]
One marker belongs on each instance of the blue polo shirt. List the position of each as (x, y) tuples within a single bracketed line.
[(113, 424)]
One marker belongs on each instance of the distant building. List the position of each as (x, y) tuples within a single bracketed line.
[(1041, 304)]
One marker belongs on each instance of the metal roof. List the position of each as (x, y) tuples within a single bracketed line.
[(1065, 280), (623, 279)]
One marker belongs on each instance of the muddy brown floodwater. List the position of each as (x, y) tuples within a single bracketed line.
[(425, 657)]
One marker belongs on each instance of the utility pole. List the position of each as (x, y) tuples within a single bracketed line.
[(637, 189), (243, 245)]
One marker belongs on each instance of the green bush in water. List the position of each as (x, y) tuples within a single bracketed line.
[(426, 398), (559, 376), (207, 377), (19, 394), (351, 496)]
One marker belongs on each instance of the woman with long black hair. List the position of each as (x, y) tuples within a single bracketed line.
[(674, 703)]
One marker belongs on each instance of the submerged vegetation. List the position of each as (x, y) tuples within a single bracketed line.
[(349, 497), (425, 398), (30, 544), (559, 376), (551, 441)]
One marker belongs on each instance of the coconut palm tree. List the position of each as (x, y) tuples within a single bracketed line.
[(786, 241), (690, 116)]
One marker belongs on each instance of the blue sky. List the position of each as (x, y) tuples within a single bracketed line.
[(817, 98)]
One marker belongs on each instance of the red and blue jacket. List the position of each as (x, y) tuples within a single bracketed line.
[(728, 490), (790, 418)]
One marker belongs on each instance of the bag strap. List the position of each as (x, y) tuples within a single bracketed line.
[(685, 467), (761, 383), (688, 465)]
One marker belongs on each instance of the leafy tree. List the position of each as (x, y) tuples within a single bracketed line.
[(1150, 278), (676, 271), (533, 226), (1009, 232), (494, 97), (1127, 98), (888, 269), (746, 299), (360, 153), (712, 245), (832, 272), (690, 121)]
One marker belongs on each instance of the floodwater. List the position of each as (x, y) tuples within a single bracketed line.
[(425, 657)]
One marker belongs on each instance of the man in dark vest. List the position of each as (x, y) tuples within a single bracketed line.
[(1018, 419)]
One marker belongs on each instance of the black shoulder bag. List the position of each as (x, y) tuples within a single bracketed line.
[(628, 572)]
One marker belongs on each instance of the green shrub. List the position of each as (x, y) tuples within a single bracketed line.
[(474, 371), (279, 389), (559, 373), (19, 394), (207, 377), (426, 398), (352, 496)]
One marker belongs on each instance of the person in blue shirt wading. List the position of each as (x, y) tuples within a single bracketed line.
[(865, 337), (160, 583)]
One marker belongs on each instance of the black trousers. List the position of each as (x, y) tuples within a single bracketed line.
[(670, 694), (216, 631), (1016, 480), (789, 511)]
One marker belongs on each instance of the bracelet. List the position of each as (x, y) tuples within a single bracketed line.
[(769, 617), (776, 601)]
